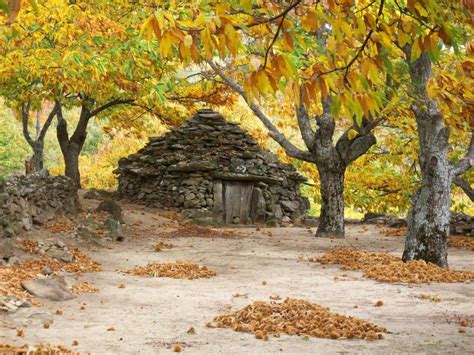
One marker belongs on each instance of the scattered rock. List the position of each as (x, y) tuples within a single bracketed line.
[(7, 249), (113, 208), (115, 229), (92, 195), (46, 270), (61, 255), (50, 289), (10, 303)]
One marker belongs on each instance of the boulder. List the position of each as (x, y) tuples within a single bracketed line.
[(49, 289), (111, 207), (7, 249)]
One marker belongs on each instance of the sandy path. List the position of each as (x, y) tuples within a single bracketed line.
[(152, 313)]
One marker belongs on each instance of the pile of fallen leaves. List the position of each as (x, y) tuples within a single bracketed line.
[(388, 268), (177, 270), (296, 317), (193, 231), (161, 245), (84, 287), (11, 276), (461, 243), (60, 227), (29, 246), (41, 349)]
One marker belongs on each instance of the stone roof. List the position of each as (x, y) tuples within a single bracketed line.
[(208, 142)]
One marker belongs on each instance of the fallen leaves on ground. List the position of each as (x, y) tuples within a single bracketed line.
[(462, 320), (193, 231), (60, 227), (426, 296), (161, 245), (297, 317), (84, 287), (461, 242), (177, 270), (388, 268), (11, 276), (29, 246), (35, 350)]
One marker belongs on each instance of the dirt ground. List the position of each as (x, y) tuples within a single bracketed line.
[(149, 315)]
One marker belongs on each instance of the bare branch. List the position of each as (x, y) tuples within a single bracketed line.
[(467, 162), (304, 124), (48, 121), (464, 185), (25, 115), (290, 149)]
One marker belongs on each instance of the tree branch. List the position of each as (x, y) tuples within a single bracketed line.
[(304, 124), (290, 149), (48, 121), (25, 115), (464, 185), (109, 105), (280, 26), (468, 161)]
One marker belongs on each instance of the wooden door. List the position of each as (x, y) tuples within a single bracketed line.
[(237, 201)]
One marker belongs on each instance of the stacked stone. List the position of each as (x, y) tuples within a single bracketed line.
[(178, 170), (33, 199)]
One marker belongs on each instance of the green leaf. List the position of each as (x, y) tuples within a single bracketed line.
[(4, 6)]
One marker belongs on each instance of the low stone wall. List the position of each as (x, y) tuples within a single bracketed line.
[(32, 199)]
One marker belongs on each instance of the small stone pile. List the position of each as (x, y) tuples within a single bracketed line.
[(32, 199), (196, 167)]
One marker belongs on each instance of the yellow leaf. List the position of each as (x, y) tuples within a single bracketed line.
[(351, 134), (188, 41)]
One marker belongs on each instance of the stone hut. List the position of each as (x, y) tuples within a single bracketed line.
[(215, 172)]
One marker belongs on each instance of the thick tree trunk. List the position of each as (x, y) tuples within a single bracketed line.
[(331, 220), (428, 218), (71, 163)]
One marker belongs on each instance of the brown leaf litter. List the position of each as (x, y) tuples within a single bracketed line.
[(11, 276), (177, 270), (296, 317), (41, 349), (60, 228), (460, 242), (388, 268), (84, 287), (161, 245), (193, 231)]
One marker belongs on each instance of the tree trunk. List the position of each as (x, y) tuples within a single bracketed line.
[(331, 220), (38, 155), (428, 218), (71, 163)]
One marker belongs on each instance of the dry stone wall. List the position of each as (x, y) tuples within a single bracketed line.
[(32, 199), (207, 163)]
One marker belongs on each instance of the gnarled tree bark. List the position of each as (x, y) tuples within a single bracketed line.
[(428, 217)]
